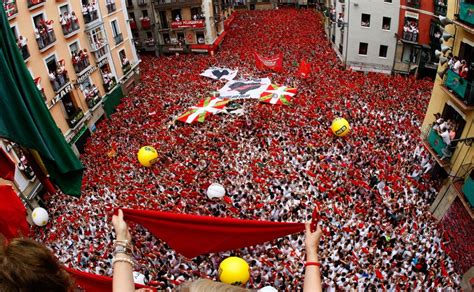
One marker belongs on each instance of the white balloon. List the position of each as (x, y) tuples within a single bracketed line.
[(215, 190), (40, 216), (268, 289)]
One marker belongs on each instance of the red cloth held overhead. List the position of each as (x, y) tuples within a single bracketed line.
[(273, 63), (192, 235), (304, 69), (12, 214), (95, 283)]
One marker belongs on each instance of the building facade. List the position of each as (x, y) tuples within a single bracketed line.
[(419, 36), (80, 55), (190, 26), (363, 33), (142, 23)]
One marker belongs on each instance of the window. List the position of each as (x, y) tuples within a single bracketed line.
[(74, 48), (383, 51), (365, 20), (149, 35), (410, 29), (115, 28), (131, 15), (200, 37), (387, 1), (163, 19), (386, 23), (145, 13), (166, 38), (176, 14), (196, 13), (363, 48)]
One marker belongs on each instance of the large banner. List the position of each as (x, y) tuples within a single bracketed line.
[(218, 73), (188, 24), (272, 63), (243, 89)]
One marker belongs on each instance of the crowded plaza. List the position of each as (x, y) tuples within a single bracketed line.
[(277, 161)]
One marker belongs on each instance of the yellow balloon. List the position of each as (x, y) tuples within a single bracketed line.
[(234, 271), (147, 156), (340, 127)]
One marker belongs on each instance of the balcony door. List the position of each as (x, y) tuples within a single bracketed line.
[(450, 113)]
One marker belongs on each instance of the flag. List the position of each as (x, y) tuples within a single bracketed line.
[(12, 214), (25, 119), (272, 63), (7, 166), (304, 69), (275, 94), (95, 283), (192, 235), (242, 89), (210, 105), (218, 73)]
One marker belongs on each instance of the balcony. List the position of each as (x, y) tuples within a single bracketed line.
[(118, 39), (410, 36), (33, 4), (25, 53), (45, 39), (80, 62), (58, 80), (126, 68), (90, 17), (413, 3), (111, 7), (460, 90), (100, 53), (93, 97), (70, 28), (10, 8), (77, 117), (435, 145), (109, 83), (440, 7)]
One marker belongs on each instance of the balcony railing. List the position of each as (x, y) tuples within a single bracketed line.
[(80, 62), (466, 13), (45, 39), (109, 84), (118, 39), (92, 97), (98, 54), (126, 68), (91, 16), (436, 142), (440, 7), (460, 87), (10, 8), (35, 3), (410, 36), (77, 117), (58, 80), (111, 7), (413, 3), (70, 27)]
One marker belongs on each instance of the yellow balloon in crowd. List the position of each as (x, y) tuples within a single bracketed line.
[(340, 127), (234, 271), (147, 156)]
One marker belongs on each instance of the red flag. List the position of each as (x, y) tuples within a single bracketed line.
[(273, 63), (304, 69), (444, 272), (12, 214), (95, 283), (379, 274), (208, 234)]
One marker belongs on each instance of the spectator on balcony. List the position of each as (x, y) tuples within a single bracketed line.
[(22, 43), (74, 21), (92, 10), (452, 61), (85, 14), (75, 62), (177, 18), (125, 61), (464, 70), (65, 21), (457, 66), (54, 80), (38, 38)]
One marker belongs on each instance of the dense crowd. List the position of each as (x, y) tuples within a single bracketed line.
[(276, 162)]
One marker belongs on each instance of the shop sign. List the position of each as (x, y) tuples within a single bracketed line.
[(188, 24), (84, 76), (60, 95)]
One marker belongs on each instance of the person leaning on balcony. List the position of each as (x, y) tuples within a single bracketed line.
[(54, 80), (74, 20), (464, 71), (38, 38), (452, 61), (85, 14), (457, 66)]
